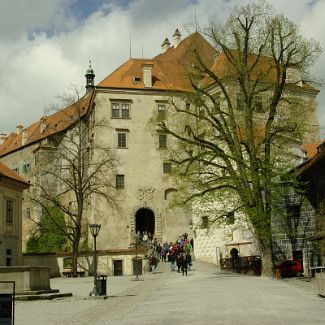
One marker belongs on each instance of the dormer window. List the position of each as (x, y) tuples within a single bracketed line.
[(136, 80)]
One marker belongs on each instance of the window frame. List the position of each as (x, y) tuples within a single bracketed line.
[(9, 211), (122, 143), (123, 110), (239, 101), (167, 167), (258, 104), (162, 144), (161, 111), (116, 111), (120, 181)]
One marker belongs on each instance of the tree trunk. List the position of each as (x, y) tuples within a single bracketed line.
[(267, 260)]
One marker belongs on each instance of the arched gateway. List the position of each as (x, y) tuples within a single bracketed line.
[(145, 220)]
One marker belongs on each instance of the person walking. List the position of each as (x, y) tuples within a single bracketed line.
[(153, 262), (184, 264)]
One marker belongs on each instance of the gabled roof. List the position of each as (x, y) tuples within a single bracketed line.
[(8, 173), (54, 123), (170, 70)]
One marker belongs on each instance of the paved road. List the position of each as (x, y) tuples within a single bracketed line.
[(205, 296)]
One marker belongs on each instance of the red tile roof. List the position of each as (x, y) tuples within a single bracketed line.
[(310, 148), (265, 69), (7, 172), (170, 70), (55, 123)]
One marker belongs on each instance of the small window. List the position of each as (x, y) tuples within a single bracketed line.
[(188, 105), (167, 167), (125, 110), (201, 111), (258, 104), (239, 101), (204, 222), (115, 110), (26, 167), (119, 182), (8, 257), (161, 112), (216, 105), (10, 211), (231, 218), (162, 141), (121, 140)]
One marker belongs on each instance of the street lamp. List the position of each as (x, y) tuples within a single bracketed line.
[(94, 229)]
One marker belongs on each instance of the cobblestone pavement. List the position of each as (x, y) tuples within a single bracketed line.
[(205, 296)]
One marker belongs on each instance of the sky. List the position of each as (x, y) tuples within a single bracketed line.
[(45, 45)]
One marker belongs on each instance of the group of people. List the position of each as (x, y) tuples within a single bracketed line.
[(145, 236), (178, 254)]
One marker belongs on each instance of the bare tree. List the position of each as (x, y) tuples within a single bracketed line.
[(74, 169), (237, 131)]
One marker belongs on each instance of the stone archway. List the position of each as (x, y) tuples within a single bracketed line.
[(145, 221), (157, 220)]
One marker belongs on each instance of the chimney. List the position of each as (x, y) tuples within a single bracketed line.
[(43, 124), (19, 128), (177, 37), (165, 45), (3, 137), (24, 137), (147, 75)]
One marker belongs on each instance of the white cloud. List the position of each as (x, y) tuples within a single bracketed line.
[(34, 71)]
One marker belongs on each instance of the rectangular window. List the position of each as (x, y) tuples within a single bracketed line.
[(258, 104), (167, 167), (8, 257), (120, 108), (115, 110), (125, 110), (239, 101), (162, 141), (161, 112), (204, 222), (26, 167), (119, 182), (216, 106), (121, 140), (10, 211)]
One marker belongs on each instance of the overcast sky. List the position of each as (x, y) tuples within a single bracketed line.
[(45, 45)]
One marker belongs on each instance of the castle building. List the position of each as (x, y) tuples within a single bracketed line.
[(128, 98)]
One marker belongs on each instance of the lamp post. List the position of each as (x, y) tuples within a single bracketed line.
[(94, 229)]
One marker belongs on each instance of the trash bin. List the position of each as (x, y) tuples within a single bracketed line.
[(102, 285)]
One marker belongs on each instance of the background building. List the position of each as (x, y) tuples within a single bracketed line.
[(11, 195)]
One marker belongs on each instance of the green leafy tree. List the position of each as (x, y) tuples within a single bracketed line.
[(236, 133), (51, 235)]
